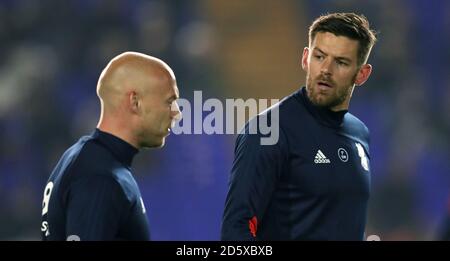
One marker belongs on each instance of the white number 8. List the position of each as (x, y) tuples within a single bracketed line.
[(47, 193)]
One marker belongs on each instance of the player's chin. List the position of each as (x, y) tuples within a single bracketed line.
[(155, 143), (162, 143), (161, 140), (159, 143), (321, 100)]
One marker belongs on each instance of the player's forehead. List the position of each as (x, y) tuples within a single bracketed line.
[(173, 91), (337, 46)]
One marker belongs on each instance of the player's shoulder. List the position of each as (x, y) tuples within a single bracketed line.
[(96, 158), (355, 123), (356, 128), (108, 167), (86, 158), (99, 171), (286, 106), (271, 121), (84, 165), (292, 110), (291, 104), (72, 157), (283, 110)]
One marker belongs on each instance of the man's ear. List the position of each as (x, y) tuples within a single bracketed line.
[(133, 99), (363, 74), (305, 59)]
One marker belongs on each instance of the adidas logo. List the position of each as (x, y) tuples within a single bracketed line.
[(321, 158)]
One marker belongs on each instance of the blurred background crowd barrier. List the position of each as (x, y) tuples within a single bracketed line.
[(52, 52)]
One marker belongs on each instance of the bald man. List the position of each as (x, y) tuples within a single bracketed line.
[(91, 194)]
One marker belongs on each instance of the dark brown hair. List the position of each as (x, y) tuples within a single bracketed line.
[(350, 25)]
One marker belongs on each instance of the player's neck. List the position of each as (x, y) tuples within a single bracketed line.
[(119, 130), (341, 107)]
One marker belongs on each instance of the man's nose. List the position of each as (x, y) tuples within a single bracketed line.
[(176, 111), (327, 67)]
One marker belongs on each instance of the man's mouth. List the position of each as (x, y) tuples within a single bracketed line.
[(324, 84)]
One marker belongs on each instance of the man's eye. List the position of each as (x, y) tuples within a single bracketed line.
[(342, 63), (318, 57)]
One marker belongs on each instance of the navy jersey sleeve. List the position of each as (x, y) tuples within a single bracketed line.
[(256, 169), (95, 206)]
